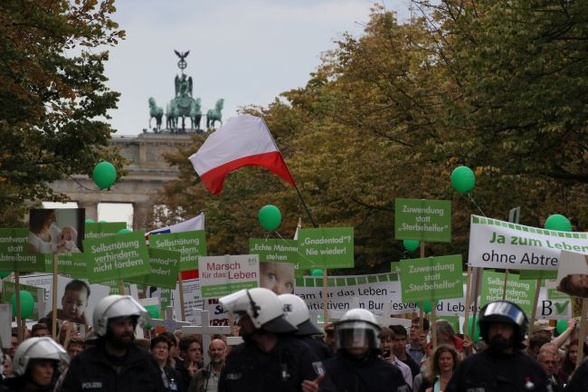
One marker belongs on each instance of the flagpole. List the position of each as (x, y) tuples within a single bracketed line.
[(306, 208)]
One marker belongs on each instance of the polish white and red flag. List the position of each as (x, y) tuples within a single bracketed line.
[(243, 141)]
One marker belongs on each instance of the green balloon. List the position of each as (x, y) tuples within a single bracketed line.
[(317, 272), (411, 245), (27, 304), (558, 222), (427, 306), (270, 217), (90, 221), (124, 231), (475, 336), (561, 326), (463, 179), (104, 175), (153, 313)]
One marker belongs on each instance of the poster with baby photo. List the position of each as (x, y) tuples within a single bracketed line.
[(572, 274), (56, 230)]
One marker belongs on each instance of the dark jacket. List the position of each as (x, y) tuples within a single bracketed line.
[(492, 372), (94, 371), (248, 369), (22, 384), (368, 374), (579, 380)]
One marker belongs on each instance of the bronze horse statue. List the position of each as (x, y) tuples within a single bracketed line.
[(155, 112), (171, 115), (196, 114), (215, 114)]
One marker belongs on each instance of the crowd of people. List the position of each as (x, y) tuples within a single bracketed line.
[(284, 350)]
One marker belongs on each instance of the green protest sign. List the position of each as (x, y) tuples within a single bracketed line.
[(431, 278), (191, 244), (279, 250), (326, 248), (521, 292), (103, 229), (71, 264), (14, 256), (75, 264), (537, 274), (165, 267), (423, 220), (117, 256)]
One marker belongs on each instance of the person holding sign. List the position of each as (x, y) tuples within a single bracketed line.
[(502, 366)]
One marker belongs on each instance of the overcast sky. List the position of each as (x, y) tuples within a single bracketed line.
[(245, 51)]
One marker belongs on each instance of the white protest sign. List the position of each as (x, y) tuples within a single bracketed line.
[(372, 292), (500, 244), (223, 275)]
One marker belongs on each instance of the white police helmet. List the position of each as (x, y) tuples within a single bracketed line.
[(37, 348), (357, 328), (263, 307), (115, 306), (297, 314)]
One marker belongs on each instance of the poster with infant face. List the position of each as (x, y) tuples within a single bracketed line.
[(572, 274), (56, 230)]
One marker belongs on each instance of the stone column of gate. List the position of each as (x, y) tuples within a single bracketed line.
[(141, 212), (91, 208)]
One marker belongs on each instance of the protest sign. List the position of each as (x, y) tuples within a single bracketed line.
[(499, 244), (191, 244), (326, 248), (371, 292), (423, 220), (14, 255), (431, 278), (223, 275), (164, 269), (276, 250), (522, 292), (117, 257)]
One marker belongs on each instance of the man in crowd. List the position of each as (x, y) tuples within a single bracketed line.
[(399, 349), (502, 366), (207, 378), (114, 362), (270, 359), (357, 366), (548, 358), (416, 346), (191, 359)]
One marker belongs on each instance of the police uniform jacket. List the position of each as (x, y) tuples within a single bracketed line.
[(368, 374), (249, 369), (492, 372), (94, 371)]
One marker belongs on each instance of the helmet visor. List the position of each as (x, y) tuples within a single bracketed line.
[(356, 335), (505, 309)]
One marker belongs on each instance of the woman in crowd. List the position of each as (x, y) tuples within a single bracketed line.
[(160, 349), (36, 363), (569, 361), (442, 363)]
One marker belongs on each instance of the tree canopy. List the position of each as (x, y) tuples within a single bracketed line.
[(496, 86), (54, 96)]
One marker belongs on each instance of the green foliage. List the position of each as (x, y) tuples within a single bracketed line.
[(53, 97), (498, 87)]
